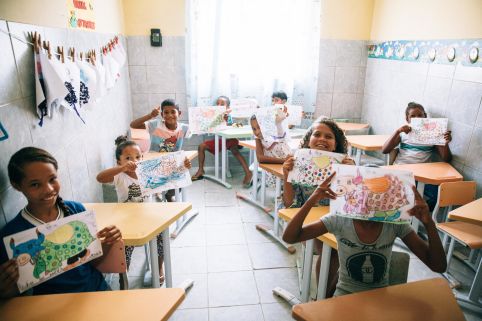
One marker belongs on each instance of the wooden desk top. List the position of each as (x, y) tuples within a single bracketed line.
[(367, 142), (314, 215), (190, 154), (275, 169), (427, 300), (470, 213), (431, 173), (469, 234), (144, 304), (351, 126), (251, 144), (138, 222)]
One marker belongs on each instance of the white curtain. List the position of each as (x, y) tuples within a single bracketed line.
[(250, 48)]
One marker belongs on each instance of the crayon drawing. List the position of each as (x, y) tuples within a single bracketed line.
[(48, 250), (312, 167), (243, 108), (427, 131), (163, 173), (373, 194), (205, 120), (272, 122)]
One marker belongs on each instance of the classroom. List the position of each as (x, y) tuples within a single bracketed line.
[(251, 160)]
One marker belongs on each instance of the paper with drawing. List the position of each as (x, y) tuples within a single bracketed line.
[(51, 249), (427, 131), (272, 122), (163, 173), (312, 166), (374, 194), (205, 120)]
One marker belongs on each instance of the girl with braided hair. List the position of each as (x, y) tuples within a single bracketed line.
[(33, 172)]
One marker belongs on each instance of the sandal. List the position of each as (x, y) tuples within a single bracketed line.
[(197, 178)]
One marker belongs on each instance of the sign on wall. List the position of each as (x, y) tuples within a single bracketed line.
[(81, 14)]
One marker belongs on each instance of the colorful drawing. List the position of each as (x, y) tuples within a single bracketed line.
[(428, 131), (272, 121), (295, 115), (163, 173), (48, 250), (205, 120), (243, 108), (3, 133), (312, 167), (373, 194)]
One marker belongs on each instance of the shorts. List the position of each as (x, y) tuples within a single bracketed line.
[(229, 143)]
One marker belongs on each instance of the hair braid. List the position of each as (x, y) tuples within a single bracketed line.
[(60, 203)]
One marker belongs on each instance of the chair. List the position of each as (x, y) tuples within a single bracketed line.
[(114, 261), (454, 194), (398, 270)]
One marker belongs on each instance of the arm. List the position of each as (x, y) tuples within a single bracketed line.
[(108, 236), (432, 254), (139, 123), (266, 159), (394, 140), (107, 176), (8, 279), (288, 191), (444, 151), (295, 231)]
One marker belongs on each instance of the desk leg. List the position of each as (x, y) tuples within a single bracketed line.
[(167, 261), (415, 222), (223, 159), (253, 198), (307, 268), (324, 269), (216, 156), (216, 178), (154, 262), (263, 187), (185, 219), (471, 302), (358, 156)]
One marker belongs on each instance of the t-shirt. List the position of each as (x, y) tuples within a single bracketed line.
[(127, 189), (164, 139), (412, 153), (84, 278), (362, 266)]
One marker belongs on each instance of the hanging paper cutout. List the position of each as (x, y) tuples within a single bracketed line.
[(272, 121), (312, 167), (204, 120), (40, 90), (163, 173), (3, 133), (427, 131), (374, 194), (51, 249)]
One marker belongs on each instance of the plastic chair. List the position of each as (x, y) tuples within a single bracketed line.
[(454, 194), (114, 261), (398, 270)]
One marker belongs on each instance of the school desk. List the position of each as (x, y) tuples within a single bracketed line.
[(140, 223), (181, 196), (470, 213), (329, 242), (145, 304), (429, 173), (427, 300), (366, 143), (352, 126)]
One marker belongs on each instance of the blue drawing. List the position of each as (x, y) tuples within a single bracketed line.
[(4, 134)]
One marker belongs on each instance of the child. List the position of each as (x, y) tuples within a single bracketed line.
[(167, 135), (411, 153), (365, 247), (231, 144), (33, 172), (279, 98), (324, 134), (127, 187)]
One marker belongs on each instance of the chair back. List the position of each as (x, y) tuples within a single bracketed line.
[(142, 138), (456, 193), (398, 271)]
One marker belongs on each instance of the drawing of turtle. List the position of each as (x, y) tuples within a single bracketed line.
[(67, 243)]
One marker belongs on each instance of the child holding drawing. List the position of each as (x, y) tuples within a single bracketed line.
[(33, 172)]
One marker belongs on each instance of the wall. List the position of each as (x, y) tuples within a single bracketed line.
[(53, 13), (81, 150)]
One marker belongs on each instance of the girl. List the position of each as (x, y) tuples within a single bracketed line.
[(365, 247), (324, 134), (231, 144), (267, 149), (33, 172)]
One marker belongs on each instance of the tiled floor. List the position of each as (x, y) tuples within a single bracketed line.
[(234, 266)]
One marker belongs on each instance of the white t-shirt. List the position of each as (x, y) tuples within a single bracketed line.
[(54, 77), (128, 189), (88, 83), (412, 153)]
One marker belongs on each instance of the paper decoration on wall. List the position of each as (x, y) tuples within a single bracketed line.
[(205, 120), (243, 108), (295, 115), (163, 173), (427, 131), (272, 121), (312, 167), (374, 194), (81, 14), (51, 249), (3, 133)]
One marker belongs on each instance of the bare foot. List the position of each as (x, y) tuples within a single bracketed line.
[(247, 178)]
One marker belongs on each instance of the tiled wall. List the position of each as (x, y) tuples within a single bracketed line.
[(81, 150), (452, 91), (341, 78)]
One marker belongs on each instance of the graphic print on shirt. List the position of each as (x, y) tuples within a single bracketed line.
[(134, 194), (366, 267)]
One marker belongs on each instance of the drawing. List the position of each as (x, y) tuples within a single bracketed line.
[(3, 133), (272, 121), (312, 167), (163, 173), (427, 131), (48, 250), (295, 115), (205, 120), (373, 194), (243, 108)]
